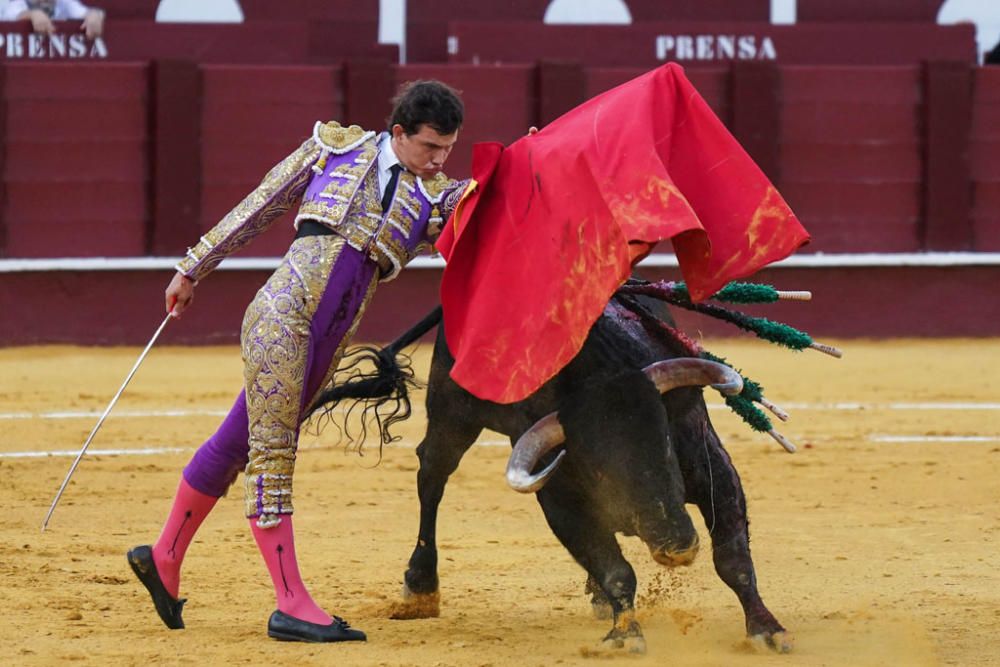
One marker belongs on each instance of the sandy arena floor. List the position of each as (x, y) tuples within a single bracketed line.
[(872, 551)]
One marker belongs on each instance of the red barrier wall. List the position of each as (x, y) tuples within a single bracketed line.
[(850, 146), (252, 117), (689, 43), (984, 159), (75, 170), (925, 11), (851, 155), (294, 41), (78, 147), (256, 10), (699, 10), (427, 20), (310, 10), (847, 302)]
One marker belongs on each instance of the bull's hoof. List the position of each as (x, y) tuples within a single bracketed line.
[(628, 638), (415, 605), (779, 642), (636, 645)]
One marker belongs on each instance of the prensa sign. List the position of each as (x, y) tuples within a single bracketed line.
[(715, 47), (18, 46)]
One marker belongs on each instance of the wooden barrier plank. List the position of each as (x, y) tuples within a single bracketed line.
[(269, 10), (699, 10), (175, 163), (876, 84), (76, 172), (50, 162), (854, 190), (835, 202), (84, 220), (853, 302), (369, 86), (947, 119), (849, 121), (561, 87), (816, 161), (427, 20), (856, 11), (243, 141), (3, 159), (984, 159), (57, 81), (755, 116)]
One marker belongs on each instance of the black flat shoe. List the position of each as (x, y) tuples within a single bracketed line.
[(290, 629), (169, 608)]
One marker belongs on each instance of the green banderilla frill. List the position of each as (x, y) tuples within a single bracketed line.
[(743, 403)]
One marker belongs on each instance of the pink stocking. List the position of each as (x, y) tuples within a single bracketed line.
[(277, 546), (189, 509)]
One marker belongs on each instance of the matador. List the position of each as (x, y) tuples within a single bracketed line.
[(368, 203)]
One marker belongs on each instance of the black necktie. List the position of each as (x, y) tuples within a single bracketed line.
[(391, 186)]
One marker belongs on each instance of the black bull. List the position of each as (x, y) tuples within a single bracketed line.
[(634, 457)]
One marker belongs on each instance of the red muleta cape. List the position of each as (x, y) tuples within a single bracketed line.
[(559, 217)]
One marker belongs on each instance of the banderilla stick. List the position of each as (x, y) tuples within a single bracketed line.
[(100, 421)]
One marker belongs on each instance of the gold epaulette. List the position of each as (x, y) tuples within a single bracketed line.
[(335, 138), (434, 187)]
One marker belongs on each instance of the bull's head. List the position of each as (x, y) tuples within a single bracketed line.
[(547, 433)]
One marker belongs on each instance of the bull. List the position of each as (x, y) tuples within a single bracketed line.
[(624, 440)]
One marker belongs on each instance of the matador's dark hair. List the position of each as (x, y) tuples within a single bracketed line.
[(427, 102)]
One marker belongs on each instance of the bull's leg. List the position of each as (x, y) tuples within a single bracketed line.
[(711, 482), (597, 551), (599, 602), (442, 449)]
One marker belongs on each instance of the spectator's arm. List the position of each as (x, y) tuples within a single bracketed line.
[(93, 18), (40, 21), (93, 23)]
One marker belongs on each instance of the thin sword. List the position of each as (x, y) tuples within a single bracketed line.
[(100, 421)]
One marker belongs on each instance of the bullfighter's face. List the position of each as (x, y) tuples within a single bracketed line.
[(423, 152)]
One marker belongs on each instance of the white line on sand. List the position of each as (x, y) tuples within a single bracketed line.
[(934, 438), (88, 414), (94, 452), (407, 444)]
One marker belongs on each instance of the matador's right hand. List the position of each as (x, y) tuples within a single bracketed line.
[(179, 294)]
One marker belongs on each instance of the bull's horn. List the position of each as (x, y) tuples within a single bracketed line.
[(536, 442), (688, 371)]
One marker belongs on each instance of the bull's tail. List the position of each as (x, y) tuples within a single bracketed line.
[(382, 394)]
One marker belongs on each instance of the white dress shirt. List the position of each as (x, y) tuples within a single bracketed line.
[(64, 10), (386, 158)]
